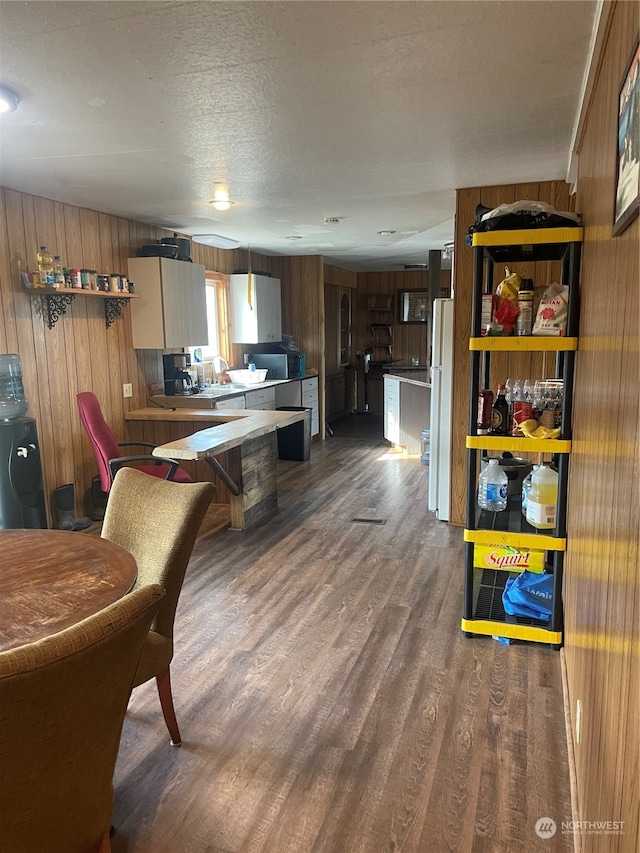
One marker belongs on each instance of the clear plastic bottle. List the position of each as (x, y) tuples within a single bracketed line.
[(58, 272), (526, 488), (542, 500), (492, 487), (45, 260)]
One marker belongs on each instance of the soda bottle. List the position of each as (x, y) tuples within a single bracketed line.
[(485, 406), (492, 487), (520, 407)]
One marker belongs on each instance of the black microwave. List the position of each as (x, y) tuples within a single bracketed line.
[(286, 365)]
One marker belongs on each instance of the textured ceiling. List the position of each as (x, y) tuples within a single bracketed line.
[(371, 112)]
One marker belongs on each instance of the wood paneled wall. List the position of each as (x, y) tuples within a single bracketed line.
[(408, 339), (503, 365), (79, 353), (602, 580)]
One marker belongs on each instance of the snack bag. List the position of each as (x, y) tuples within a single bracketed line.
[(506, 313), (510, 285), (551, 316), (506, 308)]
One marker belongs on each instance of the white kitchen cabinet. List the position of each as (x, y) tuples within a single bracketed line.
[(261, 398), (392, 409), (309, 389), (172, 310), (256, 315)]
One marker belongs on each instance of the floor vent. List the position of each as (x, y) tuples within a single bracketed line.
[(370, 520)]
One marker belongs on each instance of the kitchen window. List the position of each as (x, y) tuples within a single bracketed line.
[(217, 293)]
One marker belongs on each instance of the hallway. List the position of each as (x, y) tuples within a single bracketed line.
[(327, 699)]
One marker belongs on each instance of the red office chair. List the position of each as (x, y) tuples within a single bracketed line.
[(107, 449)]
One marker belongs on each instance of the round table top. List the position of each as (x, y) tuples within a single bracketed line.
[(52, 579)]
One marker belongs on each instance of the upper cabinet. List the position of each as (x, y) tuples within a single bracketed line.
[(256, 315), (172, 311)]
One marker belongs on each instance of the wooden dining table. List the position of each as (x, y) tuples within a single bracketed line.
[(52, 579)]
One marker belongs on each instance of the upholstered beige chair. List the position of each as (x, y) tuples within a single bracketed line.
[(62, 705), (157, 521)]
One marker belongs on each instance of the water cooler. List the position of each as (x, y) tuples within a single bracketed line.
[(21, 494)]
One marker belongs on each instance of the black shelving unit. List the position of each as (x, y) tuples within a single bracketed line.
[(483, 612)]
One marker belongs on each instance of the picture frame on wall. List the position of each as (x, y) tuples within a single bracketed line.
[(627, 198), (414, 306)]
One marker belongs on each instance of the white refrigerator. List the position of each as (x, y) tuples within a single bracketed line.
[(441, 403)]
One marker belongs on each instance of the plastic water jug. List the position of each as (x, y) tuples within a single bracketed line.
[(492, 487), (425, 445), (12, 400), (542, 500)]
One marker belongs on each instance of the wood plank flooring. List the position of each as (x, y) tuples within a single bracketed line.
[(327, 699)]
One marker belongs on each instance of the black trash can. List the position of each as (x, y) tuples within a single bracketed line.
[(294, 441)]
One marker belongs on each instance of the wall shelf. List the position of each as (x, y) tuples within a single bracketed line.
[(58, 299)]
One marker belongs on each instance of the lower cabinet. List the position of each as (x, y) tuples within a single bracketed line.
[(310, 399), (335, 395), (263, 398), (392, 410)]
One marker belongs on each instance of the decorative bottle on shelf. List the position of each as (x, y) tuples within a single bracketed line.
[(500, 414), (492, 487), (542, 500)]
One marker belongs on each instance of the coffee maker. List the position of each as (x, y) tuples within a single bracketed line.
[(177, 379)]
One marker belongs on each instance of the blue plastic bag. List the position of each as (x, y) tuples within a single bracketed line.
[(529, 594)]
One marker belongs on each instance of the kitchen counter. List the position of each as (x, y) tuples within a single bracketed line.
[(407, 372), (244, 439), (409, 379), (219, 393)]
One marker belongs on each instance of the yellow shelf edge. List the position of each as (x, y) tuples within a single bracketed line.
[(527, 237), (516, 540), (511, 631), (526, 343), (526, 445)]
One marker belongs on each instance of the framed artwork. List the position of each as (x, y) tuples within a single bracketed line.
[(414, 306), (627, 199)]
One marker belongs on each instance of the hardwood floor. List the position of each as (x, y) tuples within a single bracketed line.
[(327, 699)]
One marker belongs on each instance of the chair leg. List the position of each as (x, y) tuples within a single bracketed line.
[(166, 701)]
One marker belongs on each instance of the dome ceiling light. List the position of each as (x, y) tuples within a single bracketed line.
[(386, 233), (221, 200)]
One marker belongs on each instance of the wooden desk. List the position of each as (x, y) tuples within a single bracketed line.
[(51, 579)]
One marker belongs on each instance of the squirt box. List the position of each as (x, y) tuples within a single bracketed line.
[(507, 558)]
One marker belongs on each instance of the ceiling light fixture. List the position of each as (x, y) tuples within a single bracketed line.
[(294, 237), (447, 252), (221, 200), (9, 99), (386, 233), (216, 240)]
